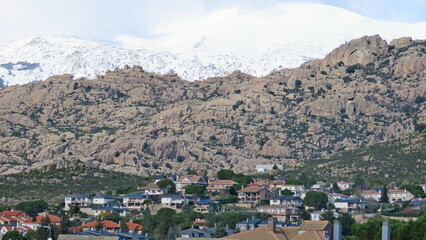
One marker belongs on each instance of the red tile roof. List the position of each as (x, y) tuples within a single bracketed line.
[(53, 219), (105, 223), (133, 226)]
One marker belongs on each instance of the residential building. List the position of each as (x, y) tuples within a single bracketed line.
[(289, 201), (204, 232), (399, 195), (282, 213), (21, 230), (153, 190), (372, 195), (277, 184), (252, 223), (110, 207), (174, 201), (107, 226), (253, 194), (205, 206), (312, 230), (332, 197), (15, 214), (186, 180), (36, 222), (269, 167), (103, 199), (134, 228), (218, 185), (89, 235), (317, 215), (294, 188), (80, 200), (319, 185), (350, 204), (345, 185), (135, 200)]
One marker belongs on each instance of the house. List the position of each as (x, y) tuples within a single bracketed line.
[(317, 215), (110, 207), (282, 213), (292, 201), (15, 214), (218, 185), (319, 185), (186, 180), (13, 218), (102, 199), (174, 201), (332, 197), (294, 188), (134, 228), (345, 185), (259, 184), (253, 194), (424, 187), (21, 230), (205, 206), (372, 195), (204, 232), (107, 226), (350, 204), (153, 190), (89, 235), (201, 222), (80, 200), (36, 222), (399, 195), (135, 200), (418, 203), (309, 230), (277, 184)]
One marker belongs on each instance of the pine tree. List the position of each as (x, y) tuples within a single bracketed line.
[(384, 198), (147, 222)]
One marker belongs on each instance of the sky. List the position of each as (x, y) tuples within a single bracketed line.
[(106, 20)]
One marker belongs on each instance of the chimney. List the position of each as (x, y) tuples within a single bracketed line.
[(337, 230), (386, 231), (272, 224)]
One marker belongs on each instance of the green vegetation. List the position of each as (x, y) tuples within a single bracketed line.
[(32, 207), (316, 200), (195, 189), (51, 184)]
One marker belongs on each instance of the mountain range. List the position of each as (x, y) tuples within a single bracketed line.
[(364, 92)]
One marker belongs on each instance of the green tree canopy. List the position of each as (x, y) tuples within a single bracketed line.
[(166, 184), (384, 197), (317, 200), (12, 235), (416, 190), (164, 221), (225, 174), (287, 192), (347, 221), (32, 208), (195, 189), (293, 181), (147, 223)]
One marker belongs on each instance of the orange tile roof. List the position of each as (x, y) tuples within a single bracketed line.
[(105, 223), (264, 234), (151, 186), (313, 225), (133, 226), (253, 189), (223, 182), (311, 235), (13, 213), (52, 218)]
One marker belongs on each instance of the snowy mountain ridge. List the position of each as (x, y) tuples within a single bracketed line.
[(255, 42)]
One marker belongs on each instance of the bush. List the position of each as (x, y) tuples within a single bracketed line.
[(297, 84), (180, 159), (347, 79), (350, 69)]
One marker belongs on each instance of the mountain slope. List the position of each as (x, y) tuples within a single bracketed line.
[(255, 42), (364, 92)]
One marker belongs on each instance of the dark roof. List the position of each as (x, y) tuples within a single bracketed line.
[(78, 196), (350, 200), (121, 236), (104, 196), (286, 198), (173, 196), (206, 201), (135, 195)]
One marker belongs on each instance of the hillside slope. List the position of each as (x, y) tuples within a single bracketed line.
[(362, 93)]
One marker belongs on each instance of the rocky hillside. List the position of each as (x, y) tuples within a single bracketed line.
[(364, 92)]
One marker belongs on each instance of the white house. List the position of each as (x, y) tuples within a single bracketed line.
[(399, 195), (317, 215), (345, 185), (174, 201), (291, 201), (269, 167), (350, 204), (372, 194), (153, 190), (102, 199), (80, 200), (294, 188), (135, 200), (118, 208)]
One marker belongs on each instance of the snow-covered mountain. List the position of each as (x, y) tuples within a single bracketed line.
[(255, 42)]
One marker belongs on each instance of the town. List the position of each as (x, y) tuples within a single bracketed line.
[(229, 206)]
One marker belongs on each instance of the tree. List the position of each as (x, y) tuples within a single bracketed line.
[(73, 209), (275, 167), (225, 174), (147, 222), (293, 181), (347, 221), (164, 221), (416, 190), (166, 184), (287, 192), (195, 189), (99, 225), (317, 200), (335, 188), (46, 229), (384, 197), (305, 215), (328, 216), (12, 235), (297, 84), (123, 227), (63, 225), (32, 208)]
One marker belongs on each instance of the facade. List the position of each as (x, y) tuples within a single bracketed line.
[(345, 185), (294, 188), (290, 201), (135, 201), (319, 185), (282, 213), (102, 199), (107, 226), (350, 204), (217, 185), (80, 200), (269, 167), (205, 206), (153, 190), (110, 207), (253, 194), (372, 195), (34, 223), (184, 181), (399, 195), (174, 201)]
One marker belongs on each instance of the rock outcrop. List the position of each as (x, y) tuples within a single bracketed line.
[(129, 120)]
